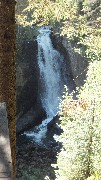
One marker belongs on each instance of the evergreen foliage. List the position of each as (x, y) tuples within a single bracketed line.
[(80, 157), (79, 20)]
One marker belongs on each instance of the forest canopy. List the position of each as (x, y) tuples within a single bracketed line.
[(78, 20)]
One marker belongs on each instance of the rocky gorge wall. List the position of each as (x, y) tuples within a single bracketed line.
[(29, 108), (26, 76), (76, 65)]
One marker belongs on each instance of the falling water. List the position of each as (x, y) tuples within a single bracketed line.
[(51, 82), (50, 62)]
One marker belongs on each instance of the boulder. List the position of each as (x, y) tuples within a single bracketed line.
[(53, 127)]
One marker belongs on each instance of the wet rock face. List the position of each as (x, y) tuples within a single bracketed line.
[(26, 69), (31, 118), (57, 43), (53, 127), (27, 75), (75, 63), (26, 66), (78, 63)]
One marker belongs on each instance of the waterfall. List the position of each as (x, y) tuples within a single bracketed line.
[(50, 62), (51, 81)]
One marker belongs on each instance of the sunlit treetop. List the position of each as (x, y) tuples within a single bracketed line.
[(79, 20)]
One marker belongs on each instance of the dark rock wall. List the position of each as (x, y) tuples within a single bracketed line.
[(29, 108), (27, 77), (76, 65), (26, 83)]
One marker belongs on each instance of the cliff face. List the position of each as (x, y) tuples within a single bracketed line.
[(27, 87), (27, 74), (29, 108), (76, 65)]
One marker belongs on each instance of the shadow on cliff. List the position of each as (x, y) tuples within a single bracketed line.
[(29, 108)]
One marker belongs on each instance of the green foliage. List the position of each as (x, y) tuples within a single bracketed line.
[(76, 19), (92, 9), (80, 157)]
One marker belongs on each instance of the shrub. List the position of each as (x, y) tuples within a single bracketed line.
[(80, 157)]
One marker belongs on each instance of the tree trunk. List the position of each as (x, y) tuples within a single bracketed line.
[(7, 68)]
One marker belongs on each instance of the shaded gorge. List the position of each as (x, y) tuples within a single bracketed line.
[(51, 81), (47, 74)]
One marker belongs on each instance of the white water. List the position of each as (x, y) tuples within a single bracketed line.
[(50, 82), (39, 132), (49, 61)]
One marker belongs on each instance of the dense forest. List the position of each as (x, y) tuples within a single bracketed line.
[(79, 21)]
